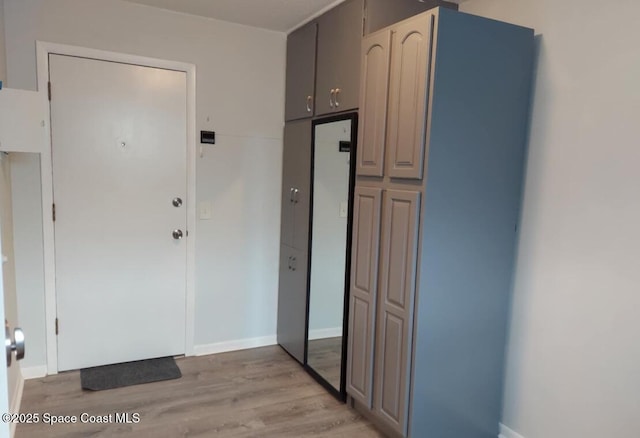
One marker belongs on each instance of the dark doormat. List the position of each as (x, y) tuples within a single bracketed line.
[(129, 373)]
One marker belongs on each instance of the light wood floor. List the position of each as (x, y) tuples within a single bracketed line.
[(252, 393)]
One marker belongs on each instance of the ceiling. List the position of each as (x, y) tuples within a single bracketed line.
[(278, 15)]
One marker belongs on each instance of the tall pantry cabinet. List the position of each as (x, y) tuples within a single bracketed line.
[(444, 103)]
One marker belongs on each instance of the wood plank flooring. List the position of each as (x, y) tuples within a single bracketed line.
[(251, 393), (324, 356)]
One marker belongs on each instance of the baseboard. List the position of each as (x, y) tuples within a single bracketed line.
[(34, 372), (240, 344), (325, 333), (14, 407), (505, 432)]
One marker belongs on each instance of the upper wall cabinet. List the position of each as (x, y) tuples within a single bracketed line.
[(393, 100), (338, 72), (374, 89), (301, 72), (410, 53)]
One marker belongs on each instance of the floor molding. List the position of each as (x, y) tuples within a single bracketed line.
[(505, 432), (240, 344), (325, 333), (34, 372)]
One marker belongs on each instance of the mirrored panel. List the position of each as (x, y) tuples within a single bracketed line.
[(332, 175)]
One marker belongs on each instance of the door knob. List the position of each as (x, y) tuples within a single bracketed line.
[(177, 234), (177, 202), (16, 344)]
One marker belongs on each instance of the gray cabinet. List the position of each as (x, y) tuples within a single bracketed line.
[(301, 72), (292, 301), (394, 98), (296, 165), (432, 268), (409, 70), (362, 302), (395, 306), (338, 60), (374, 89), (294, 237)]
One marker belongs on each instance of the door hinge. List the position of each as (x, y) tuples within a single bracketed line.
[(53, 212), (49, 90), (56, 326)]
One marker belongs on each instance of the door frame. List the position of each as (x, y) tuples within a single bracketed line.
[(43, 50)]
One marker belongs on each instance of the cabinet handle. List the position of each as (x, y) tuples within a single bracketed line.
[(293, 263), (309, 100), (331, 96), (295, 195), (291, 192), (335, 99), (289, 262)]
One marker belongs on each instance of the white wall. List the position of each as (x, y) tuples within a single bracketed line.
[(573, 360), (240, 95), (329, 245)]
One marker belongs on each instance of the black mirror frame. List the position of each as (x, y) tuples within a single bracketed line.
[(341, 393)]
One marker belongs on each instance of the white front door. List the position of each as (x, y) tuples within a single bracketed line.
[(119, 150)]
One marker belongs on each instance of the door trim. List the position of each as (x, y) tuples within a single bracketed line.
[(43, 49)]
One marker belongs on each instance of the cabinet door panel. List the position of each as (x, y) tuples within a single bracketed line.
[(302, 192), (288, 182), (339, 39), (399, 251), (296, 171), (374, 87), (410, 56), (364, 276), (301, 72), (292, 301)]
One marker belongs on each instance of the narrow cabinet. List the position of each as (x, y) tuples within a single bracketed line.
[(364, 273), (338, 73), (296, 165), (395, 306), (374, 89), (294, 237), (292, 301), (301, 72), (406, 130)]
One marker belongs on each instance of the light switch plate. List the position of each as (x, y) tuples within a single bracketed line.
[(344, 209), (204, 210)]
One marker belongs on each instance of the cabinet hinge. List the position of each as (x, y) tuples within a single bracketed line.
[(49, 90), (56, 326), (53, 212)]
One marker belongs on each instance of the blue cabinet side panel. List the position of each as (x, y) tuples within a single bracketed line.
[(472, 201)]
